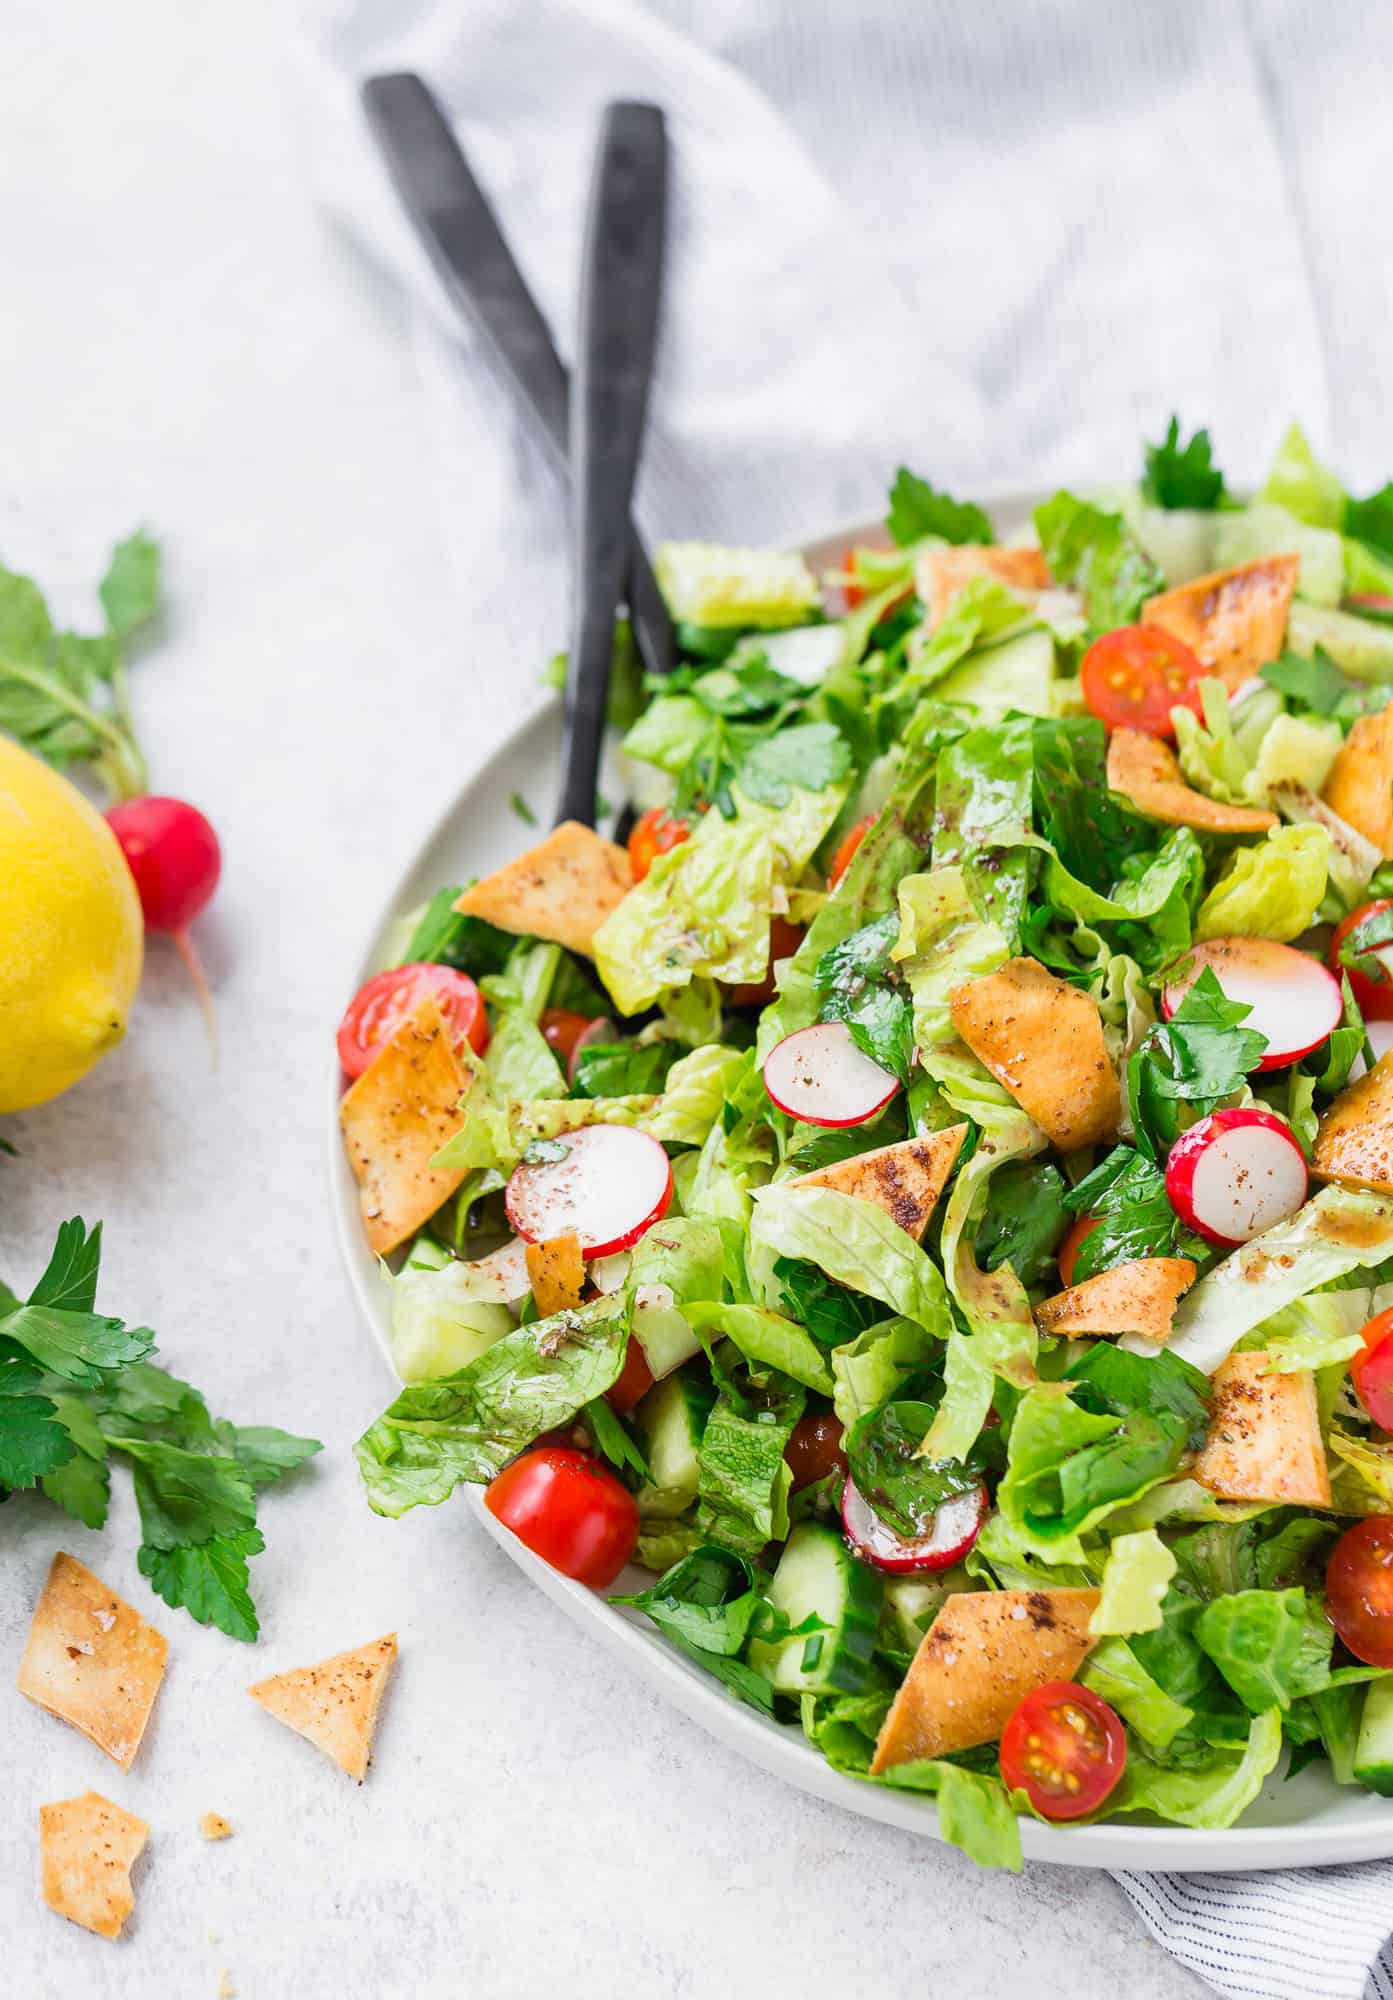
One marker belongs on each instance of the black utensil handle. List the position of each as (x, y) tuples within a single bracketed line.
[(621, 281), (459, 230)]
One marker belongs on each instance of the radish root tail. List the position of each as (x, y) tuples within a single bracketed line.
[(189, 954)]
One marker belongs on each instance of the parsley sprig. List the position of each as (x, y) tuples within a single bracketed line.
[(64, 695), (77, 1386)]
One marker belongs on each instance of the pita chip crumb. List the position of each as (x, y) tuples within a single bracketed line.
[(93, 1660), (226, 1989), (214, 1827), (88, 1847), (334, 1705)]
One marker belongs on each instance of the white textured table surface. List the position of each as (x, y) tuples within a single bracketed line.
[(187, 344)]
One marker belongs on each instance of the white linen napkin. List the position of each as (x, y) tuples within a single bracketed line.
[(1000, 243)]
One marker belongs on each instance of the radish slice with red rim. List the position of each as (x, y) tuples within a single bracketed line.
[(1295, 1000), (956, 1526), (819, 1075), (606, 1184), (1235, 1174)]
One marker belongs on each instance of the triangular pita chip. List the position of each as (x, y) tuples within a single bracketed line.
[(93, 1660), (395, 1118), (1360, 785), (335, 1704), (940, 575), (1354, 1140), (905, 1179), (562, 889), (87, 1847), (1136, 1297), (1044, 1040), (1146, 772), (1264, 1440), (1233, 620), (984, 1650)]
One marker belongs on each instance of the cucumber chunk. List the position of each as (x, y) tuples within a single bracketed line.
[(818, 1575), (671, 1420), (1373, 1753)]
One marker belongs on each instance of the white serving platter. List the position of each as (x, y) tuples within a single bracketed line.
[(1304, 1822)]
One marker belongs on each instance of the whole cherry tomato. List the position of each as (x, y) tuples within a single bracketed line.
[(1359, 1589), (569, 1510), (1065, 1748), (1374, 995), (1134, 677)]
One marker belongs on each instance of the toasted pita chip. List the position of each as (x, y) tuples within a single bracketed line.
[(1264, 1440), (92, 1660), (557, 1270), (562, 889), (983, 1652), (1234, 620), (1043, 1039), (940, 575), (1145, 771), (905, 1179), (395, 1118), (1360, 785), (88, 1846), (1136, 1297), (1354, 1140), (334, 1705)]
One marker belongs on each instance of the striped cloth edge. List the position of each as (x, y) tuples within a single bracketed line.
[(1289, 1934)]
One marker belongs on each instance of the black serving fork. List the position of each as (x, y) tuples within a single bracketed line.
[(456, 225)]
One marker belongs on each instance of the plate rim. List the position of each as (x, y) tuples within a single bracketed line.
[(781, 1749)]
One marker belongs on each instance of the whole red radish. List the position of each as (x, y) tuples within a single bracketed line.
[(173, 853)]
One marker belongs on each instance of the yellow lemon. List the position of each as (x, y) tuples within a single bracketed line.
[(71, 935)]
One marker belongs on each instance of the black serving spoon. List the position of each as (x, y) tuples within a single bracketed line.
[(620, 288), (457, 227)]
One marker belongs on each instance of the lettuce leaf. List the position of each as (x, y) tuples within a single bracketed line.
[(703, 909), (1301, 484), (468, 1425), (1094, 551), (1136, 1577), (1339, 1230), (1271, 890), (974, 1813), (708, 584), (766, 1339), (1113, 1670), (856, 1243), (744, 1480), (1211, 1793)]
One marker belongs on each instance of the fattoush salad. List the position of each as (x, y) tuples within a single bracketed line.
[(922, 1208)]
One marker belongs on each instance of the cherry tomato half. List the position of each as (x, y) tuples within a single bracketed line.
[(843, 857), (1375, 996), (378, 1009), (1372, 1371), (634, 1381), (784, 940), (814, 1449), (568, 1510), (654, 833), (561, 1030), (1359, 1590), (1065, 1748), (1134, 677), (1067, 1254)]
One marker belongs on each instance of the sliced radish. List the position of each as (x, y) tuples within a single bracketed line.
[(819, 1075), (607, 1184), (601, 1030), (1378, 603), (1296, 1002), (956, 1526), (1236, 1173)]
